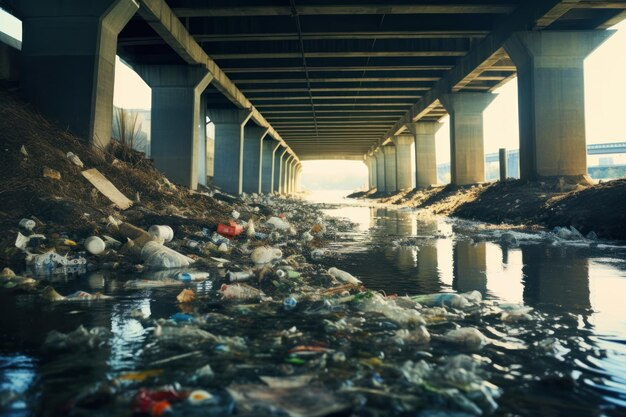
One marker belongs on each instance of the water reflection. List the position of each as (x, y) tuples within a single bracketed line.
[(470, 266), (577, 283), (556, 276)]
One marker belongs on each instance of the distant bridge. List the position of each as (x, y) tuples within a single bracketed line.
[(513, 161)]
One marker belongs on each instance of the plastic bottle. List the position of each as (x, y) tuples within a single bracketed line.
[(162, 232), (343, 276), (192, 244), (94, 245), (156, 255), (442, 299), (193, 276), (239, 292), (287, 273), (290, 303), (250, 232), (27, 224), (278, 223), (239, 275)]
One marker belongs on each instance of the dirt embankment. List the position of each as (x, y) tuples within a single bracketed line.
[(71, 206), (599, 208)]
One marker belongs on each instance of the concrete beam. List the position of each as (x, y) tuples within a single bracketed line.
[(68, 61), (293, 36), (358, 9), (338, 54), (412, 69), (329, 156)]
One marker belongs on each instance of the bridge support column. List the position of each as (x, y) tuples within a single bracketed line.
[(390, 169), (275, 184), (289, 178), (281, 171), (425, 152), (177, 120), (550, 76), (267, 158), (298, 176), (380, 171), (403, 161), (292, 177), (229, 148), (467, 154), (68, 61), (253, 135), (370, 163), (203, 169)]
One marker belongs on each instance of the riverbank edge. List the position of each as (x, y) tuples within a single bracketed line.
[(595, 208)]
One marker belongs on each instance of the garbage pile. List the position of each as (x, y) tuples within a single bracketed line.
[(276, 334)]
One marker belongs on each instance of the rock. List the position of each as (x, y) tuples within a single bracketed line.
[(51, 173)]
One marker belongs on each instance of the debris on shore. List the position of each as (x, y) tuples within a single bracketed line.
[(548, 203)]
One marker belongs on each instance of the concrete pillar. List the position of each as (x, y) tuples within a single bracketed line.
[(380, 171), (228, 148), (425, 152), (9, 62), (373, 174), (68, 61), (404, 176), (267, 161), (467, 154), (275, 184), (176, 123), (390, 169), (202, 142), (292, 165), (253, 135), (281, 171), (292, 176), (502, 161), (298, 176), (550, 76)]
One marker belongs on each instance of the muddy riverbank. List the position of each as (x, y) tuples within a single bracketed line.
[(589, 208)]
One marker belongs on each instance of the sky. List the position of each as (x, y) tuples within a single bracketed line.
[(604, 110)]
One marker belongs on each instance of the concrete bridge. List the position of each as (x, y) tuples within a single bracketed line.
[(291, 80)]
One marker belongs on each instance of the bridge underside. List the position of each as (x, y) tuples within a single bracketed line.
[(336, 78), (321, 79)]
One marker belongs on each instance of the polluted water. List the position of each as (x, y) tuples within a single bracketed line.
[(322, 309)]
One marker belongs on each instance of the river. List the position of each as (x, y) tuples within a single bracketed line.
[(568, 360)]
